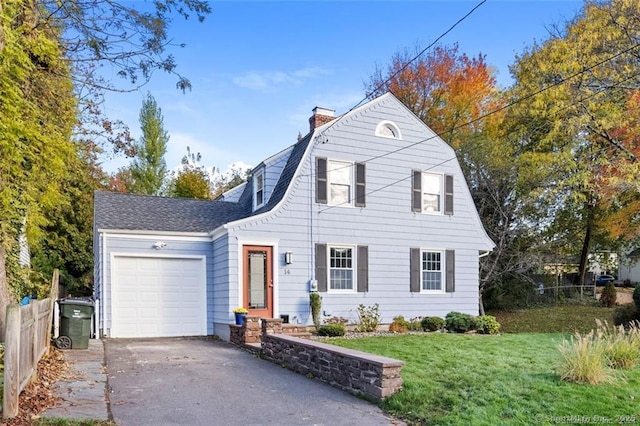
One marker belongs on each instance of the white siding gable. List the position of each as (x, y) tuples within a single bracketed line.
[(387, 225)]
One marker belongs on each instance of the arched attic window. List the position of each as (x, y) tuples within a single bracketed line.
[(388, 129)]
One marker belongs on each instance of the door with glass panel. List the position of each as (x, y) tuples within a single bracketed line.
[(258, 280)]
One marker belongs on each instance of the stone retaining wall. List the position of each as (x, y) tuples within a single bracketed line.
[(356, 372)]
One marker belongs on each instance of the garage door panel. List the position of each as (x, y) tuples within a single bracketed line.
[(158, 297)]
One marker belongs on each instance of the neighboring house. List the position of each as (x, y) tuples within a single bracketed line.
[(367, 208), (629, 267)]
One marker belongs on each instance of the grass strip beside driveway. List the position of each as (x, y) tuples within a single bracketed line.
[(453, 379)]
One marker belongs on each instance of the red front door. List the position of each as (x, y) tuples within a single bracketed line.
[(258, 280)]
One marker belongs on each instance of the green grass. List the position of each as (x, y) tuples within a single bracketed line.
[(71, 422), (454, 379), (556, 319)]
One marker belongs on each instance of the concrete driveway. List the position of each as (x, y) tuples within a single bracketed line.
[(207, 382)]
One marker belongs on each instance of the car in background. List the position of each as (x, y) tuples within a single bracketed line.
[(604, 279)]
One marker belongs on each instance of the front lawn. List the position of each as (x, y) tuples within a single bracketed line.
[(455, 379), (553, 319)]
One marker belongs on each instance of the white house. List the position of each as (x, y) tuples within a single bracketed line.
[(369, 207)]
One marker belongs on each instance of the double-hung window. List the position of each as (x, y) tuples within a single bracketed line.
[(432, 271), (258, 189), (342, 268), (432, 193), (341, 264), (340, 183), (340, 179), (432, 262)]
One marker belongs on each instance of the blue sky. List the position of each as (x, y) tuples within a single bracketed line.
[(258, 68)]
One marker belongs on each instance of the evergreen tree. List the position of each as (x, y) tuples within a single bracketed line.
[(149, 167)]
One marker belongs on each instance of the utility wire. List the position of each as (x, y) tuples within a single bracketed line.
[(409, 62), (557, 111), (495, 111)]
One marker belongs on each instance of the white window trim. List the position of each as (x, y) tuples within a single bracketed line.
[(354, 269), (388, 124), (352, 186), (255, 189), (440, 212), (443, 269)]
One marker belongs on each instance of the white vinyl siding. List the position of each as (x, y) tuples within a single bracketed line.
[(388, 226)]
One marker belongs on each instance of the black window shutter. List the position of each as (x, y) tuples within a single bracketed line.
[(321, 267), (450, 261), (360, 185), (416, 186), (363, 269), (415, 268), (321, 180), (448, 194)]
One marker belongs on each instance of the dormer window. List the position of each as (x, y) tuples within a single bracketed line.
[(258, 189), (388, 129)]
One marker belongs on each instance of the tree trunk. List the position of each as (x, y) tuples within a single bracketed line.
[(480, 304), (4, 293), (586, 245)]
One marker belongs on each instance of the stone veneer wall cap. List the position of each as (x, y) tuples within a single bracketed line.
[(363, 356)]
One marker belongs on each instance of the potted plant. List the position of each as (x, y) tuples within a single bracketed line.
[(240, 313)]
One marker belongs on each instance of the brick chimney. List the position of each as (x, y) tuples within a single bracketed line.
[(320, 116)]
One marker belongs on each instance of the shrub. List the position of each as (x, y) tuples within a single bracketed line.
[(315, 300), (636, 297), (432, 323), (399, 325), (487, 324), (625, 314), (458, 322), (584, 360), (609, 295), (332, 330), (415, 324), (368, 318)]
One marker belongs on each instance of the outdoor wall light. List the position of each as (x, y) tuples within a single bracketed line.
[(288, 258), (159, 245)]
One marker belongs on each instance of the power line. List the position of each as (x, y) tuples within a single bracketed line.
[(409, 62), (565, 107), (490, 113)]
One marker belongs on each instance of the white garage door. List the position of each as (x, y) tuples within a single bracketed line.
[(158, 297)]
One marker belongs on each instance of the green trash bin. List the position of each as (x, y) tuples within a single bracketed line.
[(75, 323)]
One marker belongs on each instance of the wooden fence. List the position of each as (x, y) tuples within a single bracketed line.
[(27, 339)]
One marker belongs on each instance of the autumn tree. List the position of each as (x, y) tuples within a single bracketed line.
[(457, 97), (192, 180), (234, 177), (67, 242), (445, 88), (51, 54), (583, 79), (37, 113), (149, 168)]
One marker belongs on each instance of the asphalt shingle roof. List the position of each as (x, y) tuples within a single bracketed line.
[(289, 170), (120, 211), (115, 210)]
